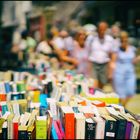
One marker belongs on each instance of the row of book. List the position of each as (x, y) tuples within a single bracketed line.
[(53, 84), (77, 119)]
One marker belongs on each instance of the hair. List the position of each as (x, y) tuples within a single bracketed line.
[(102, 22), (49, 35), (124, 34)]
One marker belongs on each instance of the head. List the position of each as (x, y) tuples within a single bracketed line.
[(115, 31), (55, 31), (63, 33), (80, 37), (124, 39), (102, 28), (24, 34), (49, 36)]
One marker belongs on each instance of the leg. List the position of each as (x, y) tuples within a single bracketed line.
[(102, 74), (95, 75)]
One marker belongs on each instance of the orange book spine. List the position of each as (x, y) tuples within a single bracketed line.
[(69, 126)]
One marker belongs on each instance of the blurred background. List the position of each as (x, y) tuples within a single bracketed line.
[(38, 17)]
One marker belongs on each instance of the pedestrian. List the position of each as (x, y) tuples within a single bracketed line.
[(101, 50), (122, 69)]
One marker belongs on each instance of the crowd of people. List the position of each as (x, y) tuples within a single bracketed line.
[(102, 52)]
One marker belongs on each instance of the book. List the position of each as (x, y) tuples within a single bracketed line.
[(5, 116), (129, 126), (1, 122), (31, 133), (4, 130), (61, 128), (43, 100), (79, 126), (120, 123), (68, 122), (53, 132), (99, 103), (90, 127), (100, 127), (57, 129), (110, 127), (4, 107), (10, 126), (50, 119), (16, 109), (15, 126), (22, 132), (87, 111), (41, 127), (52, 107), (25, 119)]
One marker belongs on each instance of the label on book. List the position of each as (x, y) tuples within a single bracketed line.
[(110, 134)]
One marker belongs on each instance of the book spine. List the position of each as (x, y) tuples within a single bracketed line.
[(89, 130), (4, 133), (121, 128), (69, 126), (15, 130), (128, 130), (110, 128), (10, 130), (22, 134), (41, 131), (100, 130), (80, 129)]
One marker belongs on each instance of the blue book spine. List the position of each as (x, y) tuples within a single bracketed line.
[(53, 133), (7, 87)]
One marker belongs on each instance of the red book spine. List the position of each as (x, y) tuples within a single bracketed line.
[(69, 126), (15, 130)]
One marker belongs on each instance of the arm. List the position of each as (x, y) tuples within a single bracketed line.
[(136, 60), (112, 65), (63, 56)]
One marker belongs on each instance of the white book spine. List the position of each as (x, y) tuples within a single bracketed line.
[(10, 129), (100, 130), (80, 129)]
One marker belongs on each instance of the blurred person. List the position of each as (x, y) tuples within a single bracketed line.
[(27, 43), (80, 53), (91, 34), (64, 44), (122, 69), (115, 32), (44, 47), (101, 50)]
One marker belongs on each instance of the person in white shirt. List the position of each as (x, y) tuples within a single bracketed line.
[(101, 50)]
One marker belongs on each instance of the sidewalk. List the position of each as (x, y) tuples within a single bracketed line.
[(134, 104)]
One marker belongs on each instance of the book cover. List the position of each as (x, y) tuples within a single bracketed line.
[(22, 132), (68, 122), (61, 128), (4, 108), (50, 119), (110, 127), (1, 122), (90, 127), (121, 124), (100, 127), (15, 126), (10, 126), (57, 129), (31, 132), (4, 130), (79, 126), (41, 127), (53, 133)]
